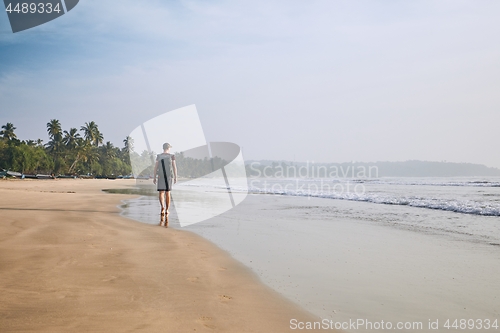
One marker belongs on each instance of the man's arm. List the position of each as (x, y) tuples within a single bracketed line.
[(155, 172), (174, 167)]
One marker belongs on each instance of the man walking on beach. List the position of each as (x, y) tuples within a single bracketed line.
[(165, 168)]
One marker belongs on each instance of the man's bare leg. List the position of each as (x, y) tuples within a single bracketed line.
[(162, 201), (167, 200)]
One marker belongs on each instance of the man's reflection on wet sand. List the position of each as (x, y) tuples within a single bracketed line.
[(164, 221)]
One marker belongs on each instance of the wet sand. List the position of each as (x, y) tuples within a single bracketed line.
[(347, 260), (70, 263)]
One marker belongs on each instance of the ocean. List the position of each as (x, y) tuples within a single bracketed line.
[(380, 249)]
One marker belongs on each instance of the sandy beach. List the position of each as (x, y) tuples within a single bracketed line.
[(70, 263)]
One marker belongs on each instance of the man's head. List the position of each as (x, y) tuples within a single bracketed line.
[(167, 146)]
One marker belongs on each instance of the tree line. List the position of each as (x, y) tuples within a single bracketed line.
[(83, 152), (187, 167), (68, 152)]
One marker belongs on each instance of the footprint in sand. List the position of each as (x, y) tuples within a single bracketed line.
[(67, 262), (111, 278), (225, 297), (222, 268), (206, 322), (64, 294), (193, 279)]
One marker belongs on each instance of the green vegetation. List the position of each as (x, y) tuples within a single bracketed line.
[(194, 168), (72, 152), (188, 167), (82, 152)]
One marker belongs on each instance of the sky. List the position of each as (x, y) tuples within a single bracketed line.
[(323, 81)]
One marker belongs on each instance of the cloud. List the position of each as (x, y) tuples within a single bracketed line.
[(337, 80)]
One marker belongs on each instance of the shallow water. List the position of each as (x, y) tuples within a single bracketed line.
[(344, 259), (465, 208)]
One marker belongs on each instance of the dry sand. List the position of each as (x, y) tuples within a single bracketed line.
[(70, 263)]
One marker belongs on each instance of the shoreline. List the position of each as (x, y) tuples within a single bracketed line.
[(72, 263), (345, 260)]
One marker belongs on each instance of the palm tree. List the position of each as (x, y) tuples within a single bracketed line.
[(108, 158), (81, 150), (55, 145), (124, 154), (55, 134), (91, 155), (108, 150), (73, 143), (71, 139), (54, 128), (66, 151), (128, 143), (92, 134), (8, 131)]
